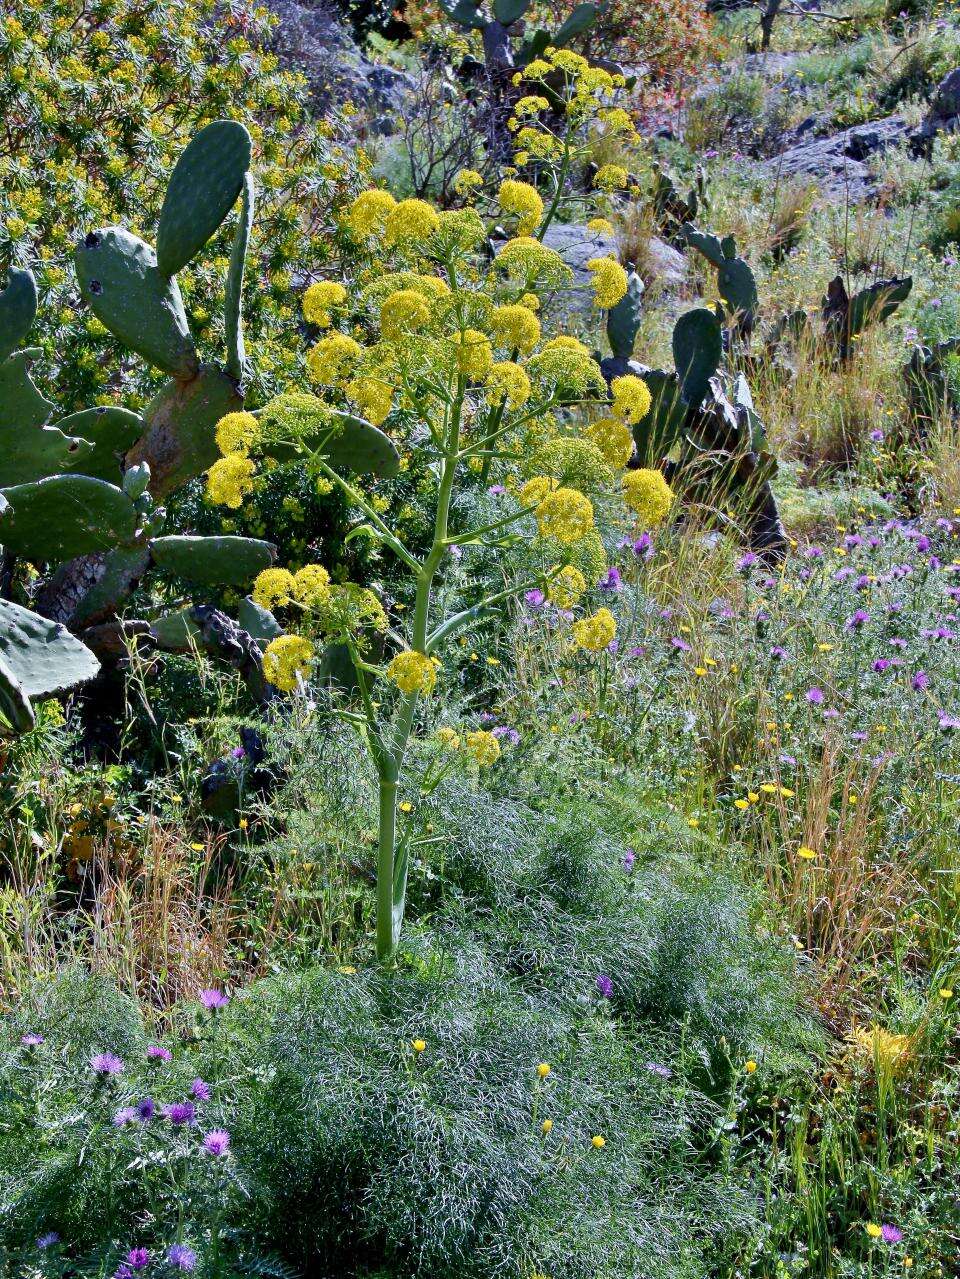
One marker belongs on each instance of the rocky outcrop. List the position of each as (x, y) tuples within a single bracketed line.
[(838, 165), (944, 113), (312, 39)]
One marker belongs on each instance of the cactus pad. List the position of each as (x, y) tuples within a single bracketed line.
[(121, 283), (28, 449), (16, 713), (697, 351), (18, 310), (623, 320), (111, 431), (63, 516), (42, 656), (179, 442), (202, 190), (213, 561)]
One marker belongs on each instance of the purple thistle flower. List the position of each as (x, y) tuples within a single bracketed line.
[(664, 1072), (31, 1040), (534, 599), (138, 1258), (629, 858), (643, 546), (857, 619), (510, 735), (156, 1053), (747, 561), (890, 1234), (217, 1142), (680, 645), (949, 723), (815, 696), (238, 752), (200, 1090), (612, 581), (106, 1064), (48, 1240), (876, 436), (181, 1112), (779, 653), (214, 999), (181, 1257), (882, 664), (605, 986), (127, 1115), (146, 1109), (920, 681)]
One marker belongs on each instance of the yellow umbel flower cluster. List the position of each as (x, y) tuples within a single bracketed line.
[(595, 633), (474, 355), (564, 515), (413, 672), (403, 312), (367, 215), (647, 493), (230, 479), (510, 381), (515, 327), (631, 398), (567, 587), (411, 222), (275, 587), (333, 359), (286, 661), (523, 200), (483, 747), (236, 433), (320, 299), (610, 177), (609, 282), (613, 439)]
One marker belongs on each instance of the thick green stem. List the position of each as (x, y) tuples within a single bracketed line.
[(386, 940)]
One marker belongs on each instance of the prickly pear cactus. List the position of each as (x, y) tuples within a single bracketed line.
[(735, 280), (62, 516), (213, 561), (697, 352), (18, 310), (203, 188), (38, 658), (110, 431), (128, 293)]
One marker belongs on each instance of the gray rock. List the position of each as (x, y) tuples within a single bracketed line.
[(944, 113), (837, 165), (312, 38)]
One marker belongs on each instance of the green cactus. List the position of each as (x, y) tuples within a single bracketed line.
[(54, 519), (306, 425), (735, 280), (38, 658), (203, 188), (259, 623), (123, 286), (623, 320), (671, 210), (110, 431), (697, 352), (30, 450), (233, 301), (468, 13), (845, 318), (18, 310), (656, 434), (213, 561)]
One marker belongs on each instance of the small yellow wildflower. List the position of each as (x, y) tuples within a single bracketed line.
[(543, 1069), (311, 585), (750, 1067), (413, 672), (419, 1045), (613, 439), (411, 222), (286, 660), (598, 1142), (610, 177), (595, 633), (483, 747)]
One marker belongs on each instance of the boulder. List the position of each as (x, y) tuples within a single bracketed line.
[(944, 113), (312, 39), (837, 165)]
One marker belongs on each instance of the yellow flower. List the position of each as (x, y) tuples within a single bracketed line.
[(448, 738), (483, 747), (807, 854), (412, 672), (465, 180), (273, 586), (598, 1142), (419, 1045), (613, 439), (546, 1126), (411, 222), (333, 358), (880, 1047), (873, 1230), (235, 433), (609, 282), (474, 355), (945, 992), (509, 381), (566, 588), (600, 226), (595, 633), (543, 1069), (565, 515), (610, 177), (311, 585), (372, 396), (741, 804), (523, 200), (515, 326), (402, 313), (647, 493), (318, 300), (230, 479), (631, 398), (368, 214), (286, 660)]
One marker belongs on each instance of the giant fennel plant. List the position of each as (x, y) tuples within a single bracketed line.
[(435, 352)]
